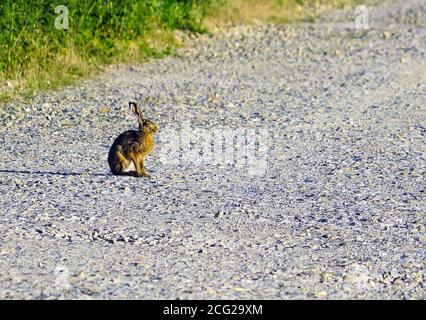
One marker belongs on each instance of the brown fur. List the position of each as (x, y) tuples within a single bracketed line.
[(132, 147)]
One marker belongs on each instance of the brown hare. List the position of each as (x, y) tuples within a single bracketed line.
[(128, 152)]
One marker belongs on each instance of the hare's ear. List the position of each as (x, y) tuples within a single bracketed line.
[(140, 113), (135, 109)]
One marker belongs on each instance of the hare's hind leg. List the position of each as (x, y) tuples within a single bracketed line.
[(125, 164)]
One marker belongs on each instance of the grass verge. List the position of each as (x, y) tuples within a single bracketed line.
[(39, 52), (272, 11)]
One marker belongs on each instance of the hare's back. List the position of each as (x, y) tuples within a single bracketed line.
[(126, 139)]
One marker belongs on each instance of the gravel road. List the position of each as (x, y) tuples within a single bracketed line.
[(333, 208)]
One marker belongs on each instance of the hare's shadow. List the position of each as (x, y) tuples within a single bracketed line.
[(65, 174)]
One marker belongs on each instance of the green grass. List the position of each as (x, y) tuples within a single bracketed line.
[(36, 56)]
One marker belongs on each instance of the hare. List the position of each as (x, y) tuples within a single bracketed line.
[(128, 152)]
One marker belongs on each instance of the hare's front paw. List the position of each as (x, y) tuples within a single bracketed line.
[(143, 174)]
